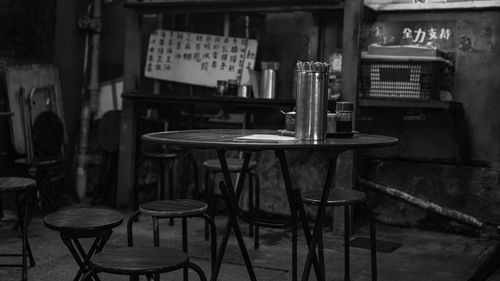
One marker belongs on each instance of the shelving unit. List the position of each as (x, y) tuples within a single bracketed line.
[(132, 75)]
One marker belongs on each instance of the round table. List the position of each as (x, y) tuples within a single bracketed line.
[(75, 224), (236, 139)]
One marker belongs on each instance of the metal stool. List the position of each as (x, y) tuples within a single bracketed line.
[(84, 223), (24, 189), (235, 165), (180, 208), (346, 198), (167, 161), (140, 261)]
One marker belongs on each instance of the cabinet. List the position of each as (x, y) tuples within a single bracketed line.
[(353, 15)]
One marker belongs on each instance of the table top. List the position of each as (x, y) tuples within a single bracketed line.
[(83, 219), (226, 139)]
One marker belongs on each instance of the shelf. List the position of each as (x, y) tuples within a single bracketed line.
[(236, 101), (233, 6), (432, 104), (435, 6)]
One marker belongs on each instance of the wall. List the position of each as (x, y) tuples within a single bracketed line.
[(468, 186)]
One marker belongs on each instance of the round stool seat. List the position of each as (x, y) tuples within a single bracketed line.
[(161, 155), (16, 184), (83, 219), (336, 197), (136, 260), (233, 164), (174, 208)]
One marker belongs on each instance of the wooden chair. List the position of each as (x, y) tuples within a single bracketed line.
[(24, 189), (346, 198), (170, 209), (212, 167)]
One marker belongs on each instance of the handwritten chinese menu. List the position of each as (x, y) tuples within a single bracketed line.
[(199, 59)]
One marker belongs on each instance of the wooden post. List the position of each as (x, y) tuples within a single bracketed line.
[(351, 51), (131, 76)]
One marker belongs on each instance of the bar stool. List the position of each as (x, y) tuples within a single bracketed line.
[(167, 160), (346, 198), (177, 208), (23, 189), (83, 223), (212, 167), (134, 261)]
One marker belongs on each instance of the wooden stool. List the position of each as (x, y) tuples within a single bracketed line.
[(235, 165), (180, 208), (346, 198), (140, 261), (75, 224), (23, 189)]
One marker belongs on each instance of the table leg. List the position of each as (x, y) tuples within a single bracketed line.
[(319, 216), (296, 208), (82, 257), (231, 196)]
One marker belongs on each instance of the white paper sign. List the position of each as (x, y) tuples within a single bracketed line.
[(199, 59)]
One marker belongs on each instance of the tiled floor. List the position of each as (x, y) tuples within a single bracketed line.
[(423, 255)]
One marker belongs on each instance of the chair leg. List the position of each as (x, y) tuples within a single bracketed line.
[(149, 277), (196, 190), (156, 240)]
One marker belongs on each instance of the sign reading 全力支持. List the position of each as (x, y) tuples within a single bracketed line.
[(199, 59)]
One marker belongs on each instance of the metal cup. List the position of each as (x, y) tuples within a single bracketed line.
[(311, 105), (244, 91)]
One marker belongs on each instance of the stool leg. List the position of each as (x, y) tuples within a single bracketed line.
[(184, 246), (196, 191), (161, 182), (373, 244), (156, 240), (321, 255), (22, 220), (294, 252), (198, 270), (347, 234), (87, 276), (171, 189), (149, 277), (209, 188), (207, 199), (257, 208), (250, 203), (213, 241)]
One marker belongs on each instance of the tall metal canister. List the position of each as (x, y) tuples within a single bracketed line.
[(312, 101)]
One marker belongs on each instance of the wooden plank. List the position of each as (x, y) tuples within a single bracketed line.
[(233, 6), (131, 75)]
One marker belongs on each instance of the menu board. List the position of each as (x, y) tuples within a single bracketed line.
[(199, 59)]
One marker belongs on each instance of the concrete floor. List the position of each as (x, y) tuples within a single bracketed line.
[(423, 255)]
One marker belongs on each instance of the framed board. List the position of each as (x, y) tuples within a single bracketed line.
[(199, 59)]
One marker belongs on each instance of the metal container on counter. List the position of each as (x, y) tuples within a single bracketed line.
[(268, 79), (311, 105)]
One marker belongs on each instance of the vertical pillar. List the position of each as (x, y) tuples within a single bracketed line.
[(131, 76), (351, 51)]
